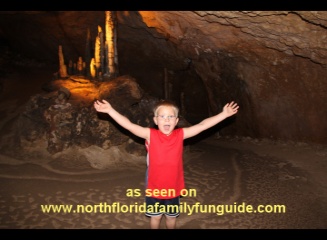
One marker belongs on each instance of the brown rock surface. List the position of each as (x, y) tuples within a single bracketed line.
[(272, 62)]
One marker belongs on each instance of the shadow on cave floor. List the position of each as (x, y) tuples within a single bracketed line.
[(226, 177)]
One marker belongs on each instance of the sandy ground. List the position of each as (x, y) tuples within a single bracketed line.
[(288, 179)]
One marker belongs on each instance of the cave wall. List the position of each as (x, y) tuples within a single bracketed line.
[(272, 63)]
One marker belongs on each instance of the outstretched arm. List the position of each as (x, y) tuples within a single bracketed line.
[(228, 110), (123, 121)]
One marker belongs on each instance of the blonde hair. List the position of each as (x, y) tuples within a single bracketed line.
[(165, 103)]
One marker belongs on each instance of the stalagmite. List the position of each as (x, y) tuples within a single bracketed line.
[(62, 66), (106, 67), (84, 68), (110, 43), (105, 60), (115, 45), (97, 53), (80, 65), (101, 53), (92, 68), (70, 67), (74, 68)]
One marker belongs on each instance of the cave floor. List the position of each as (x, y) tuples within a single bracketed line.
[(217, 172)]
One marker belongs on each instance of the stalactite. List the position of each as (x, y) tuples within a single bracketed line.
[(62, 66), (102, 48), (115, 43), (105, 60), (106, 67), (110, 42), (97, 53)]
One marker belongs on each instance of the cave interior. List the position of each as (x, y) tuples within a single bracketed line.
[(272, 63)]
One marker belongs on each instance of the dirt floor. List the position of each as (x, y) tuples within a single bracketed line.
[(229, 181)]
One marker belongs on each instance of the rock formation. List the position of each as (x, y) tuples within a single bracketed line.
[(273, 63)]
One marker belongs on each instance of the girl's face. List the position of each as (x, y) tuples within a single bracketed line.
[(166, 119)]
